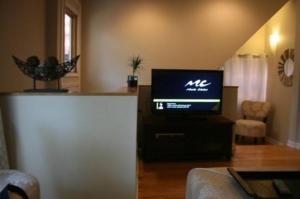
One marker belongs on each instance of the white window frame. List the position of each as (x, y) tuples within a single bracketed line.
[(74, 6)]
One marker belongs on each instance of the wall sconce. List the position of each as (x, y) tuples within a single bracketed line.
[(274, 40)]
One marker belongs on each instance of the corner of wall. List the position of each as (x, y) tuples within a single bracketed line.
[(281, 97)]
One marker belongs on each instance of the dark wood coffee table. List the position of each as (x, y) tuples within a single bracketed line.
[(260, 184)]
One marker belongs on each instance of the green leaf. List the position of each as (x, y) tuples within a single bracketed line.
[(135, 63)]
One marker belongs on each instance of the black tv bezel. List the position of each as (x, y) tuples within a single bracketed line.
[(187, 112)]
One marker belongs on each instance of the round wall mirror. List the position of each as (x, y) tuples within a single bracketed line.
[(289, 67), (286, 67)]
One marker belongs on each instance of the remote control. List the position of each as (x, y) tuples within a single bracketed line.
[(281, 187)]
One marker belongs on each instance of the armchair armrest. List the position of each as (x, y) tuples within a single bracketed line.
[(25, 181)]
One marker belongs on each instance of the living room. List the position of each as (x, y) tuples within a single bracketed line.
[(189, 35)]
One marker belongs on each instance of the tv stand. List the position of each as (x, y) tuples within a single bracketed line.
[(185, 117), (167, 138)]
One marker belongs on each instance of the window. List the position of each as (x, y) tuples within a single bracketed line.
[(70, 36), (249, 73), (69, 40)]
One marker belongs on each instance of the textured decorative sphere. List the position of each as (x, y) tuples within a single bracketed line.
[(51, 62), (33, 61)]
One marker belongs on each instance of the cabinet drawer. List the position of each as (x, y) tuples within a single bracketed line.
[(167, 143)]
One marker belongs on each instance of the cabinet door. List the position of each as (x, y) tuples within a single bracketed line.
[(214, 140), (165, 141)]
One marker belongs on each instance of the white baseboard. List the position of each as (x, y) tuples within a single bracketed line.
[(290, 143), (293, 144), (273, 141)]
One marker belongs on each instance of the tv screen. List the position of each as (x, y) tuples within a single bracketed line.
[(187, 91)]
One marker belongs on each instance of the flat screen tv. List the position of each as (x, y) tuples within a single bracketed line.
[(186, 91)]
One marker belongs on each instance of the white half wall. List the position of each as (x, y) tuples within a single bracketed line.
[(77, 146)]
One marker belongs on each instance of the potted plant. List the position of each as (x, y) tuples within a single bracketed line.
[(135, 64)]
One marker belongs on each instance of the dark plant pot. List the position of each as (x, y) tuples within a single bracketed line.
[(132, 81)]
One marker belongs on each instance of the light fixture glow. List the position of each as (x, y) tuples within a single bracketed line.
[(274, 39)]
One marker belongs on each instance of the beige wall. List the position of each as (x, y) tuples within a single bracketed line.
[(294, 132), (188, 34), (51, 27), (22, 34), (280, 96), (256, 44), (297, 64)]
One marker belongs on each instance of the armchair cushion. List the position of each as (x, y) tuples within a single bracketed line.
[(250, 128)]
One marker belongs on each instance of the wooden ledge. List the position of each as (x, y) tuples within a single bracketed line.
[(120, 92)]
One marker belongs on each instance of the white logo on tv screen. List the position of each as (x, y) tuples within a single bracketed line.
[(198, 85)]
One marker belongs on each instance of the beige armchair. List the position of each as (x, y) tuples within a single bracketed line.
[(254, 122)]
